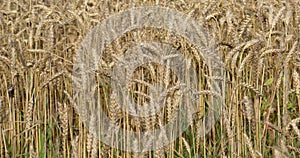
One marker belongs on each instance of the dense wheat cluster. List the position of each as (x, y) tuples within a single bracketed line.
[(258, 43)]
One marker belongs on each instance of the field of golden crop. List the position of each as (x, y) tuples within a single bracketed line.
[(258, 42)]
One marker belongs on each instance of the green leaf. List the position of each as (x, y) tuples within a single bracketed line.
[(269, 81), (265, 106), (289, 105)]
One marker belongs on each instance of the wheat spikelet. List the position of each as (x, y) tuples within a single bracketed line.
[(251, 43), (291, 52), (32, 152), (276, 18), (271, 51), (244, 62), (278, 153), (249, 109), (288, 16), (149, 141), (229, 16), (77, 17), (177, 97), (233, 117), (114, 109), (69, 97), (148, 123), (36, 51), (169, 109), (140, 155), (254, 64), (95, 148), (186, 145), (105, 150), (249, 145), (51, 38), (20, 53), (74, 145), (293, 123), (297, 17), (65, 120), (159, 153), (89, 141), (295, 149), (234, 51), (243, 46), (197, 56), (212, 15), (296, 82), (6, 60), (296, 129), (229, 131), (40, 64), (249, 87), (278, 82), (209, 7), (1, 110), (167, 74), (63, 115), (208, 92), (55, 76), (28, 116), (244, 25)]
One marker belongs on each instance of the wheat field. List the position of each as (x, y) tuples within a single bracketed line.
[(258, 42)]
